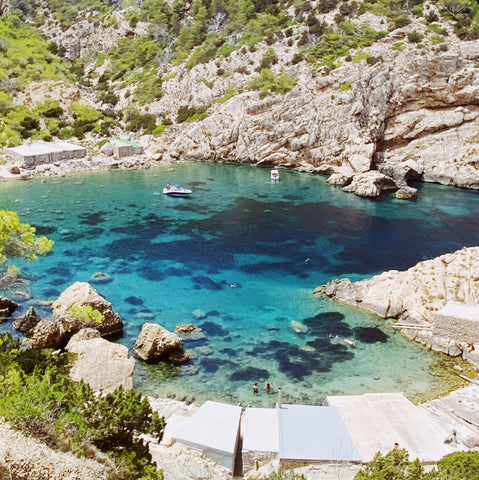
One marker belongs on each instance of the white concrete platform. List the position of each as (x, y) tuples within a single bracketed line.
[(259, 428), (213, 429), (378, 421)]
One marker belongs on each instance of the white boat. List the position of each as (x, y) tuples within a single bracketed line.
[(176, 190), (274, 175)]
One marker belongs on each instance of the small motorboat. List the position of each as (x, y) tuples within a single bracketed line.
[(274, 175), (176, 190)]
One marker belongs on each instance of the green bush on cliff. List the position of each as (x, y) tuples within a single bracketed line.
[(270, 82), (38, 397)]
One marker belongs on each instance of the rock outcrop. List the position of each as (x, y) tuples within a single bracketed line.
[(103, 365), (414, 296), (82, 293), (156, 343), (7, 307), (56, 332), (26, 323)]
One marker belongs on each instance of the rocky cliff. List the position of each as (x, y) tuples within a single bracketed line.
[(416, 295), (403, 106), (411, 116)]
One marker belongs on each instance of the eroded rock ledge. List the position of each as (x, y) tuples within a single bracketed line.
[(416, 295)]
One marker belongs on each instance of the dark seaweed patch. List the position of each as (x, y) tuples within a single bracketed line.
[(250, 374), (328, 324), (51, 292), (213, 329), (134, 300), (370, 335), (44, 230), (210, 364), (60, 270), (230, 352), (92, 218)]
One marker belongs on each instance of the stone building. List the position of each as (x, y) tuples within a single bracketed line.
[(37, 153), (125, 148)]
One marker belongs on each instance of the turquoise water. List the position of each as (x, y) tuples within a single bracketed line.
[(240, 259)]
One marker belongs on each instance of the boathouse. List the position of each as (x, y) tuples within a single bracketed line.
[(37, 153), (125, 148)]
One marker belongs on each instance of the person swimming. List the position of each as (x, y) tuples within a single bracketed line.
[(267, 387), (255, 388)]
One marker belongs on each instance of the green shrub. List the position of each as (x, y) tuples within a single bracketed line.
[(269, 58), (269, 82), (86, 119), (229, 93), (459, 465), (136, 121), (395, 465), (415, 37), (345, 87), (39, 398), (189, 114), (397, 46), (86, 313), (49, 108), (226, 50)]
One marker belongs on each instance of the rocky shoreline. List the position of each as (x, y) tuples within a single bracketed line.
[(415, 296)]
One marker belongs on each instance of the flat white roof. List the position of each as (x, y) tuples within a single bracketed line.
[(376, 421), (260, 430), (34, 149), (214, 426), (66, 146), (460, 310), (39, 148), (314, 433)]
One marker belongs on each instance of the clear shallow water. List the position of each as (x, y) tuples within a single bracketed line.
[(248, 254)]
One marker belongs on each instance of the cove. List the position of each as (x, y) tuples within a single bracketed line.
[(240, 259)]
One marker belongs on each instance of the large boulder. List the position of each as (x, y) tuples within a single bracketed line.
[(82, 294), (370, 184), (103, 365), (7, 307), (156, 343), (25, 323)]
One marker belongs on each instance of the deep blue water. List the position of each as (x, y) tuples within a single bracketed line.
[(240, 259)]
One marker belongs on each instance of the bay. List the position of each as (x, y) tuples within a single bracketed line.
[(240, 259)]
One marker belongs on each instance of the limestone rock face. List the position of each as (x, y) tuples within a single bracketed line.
[(413, 107), (414, 296), (103, 365), (26, 322), (82, 293), (156, 343)]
